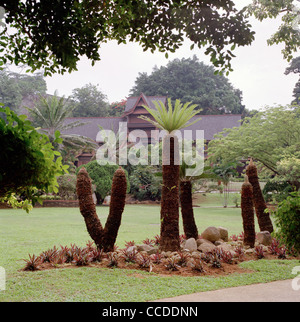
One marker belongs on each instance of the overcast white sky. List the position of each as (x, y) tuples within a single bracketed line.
[(258, 69)]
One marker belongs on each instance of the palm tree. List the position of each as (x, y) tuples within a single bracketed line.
[(170, 119), (50, 114)]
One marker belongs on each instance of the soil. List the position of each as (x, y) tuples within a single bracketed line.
[(161, 270)]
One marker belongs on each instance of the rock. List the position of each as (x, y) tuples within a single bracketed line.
[(264, 238), (223, 233), (144, 248), (131, 249), (211, 233), (190, 244), (228, 248), (219, 242), (106, 201), (206, 247)]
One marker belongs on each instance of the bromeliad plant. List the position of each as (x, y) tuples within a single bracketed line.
[(170, 119)]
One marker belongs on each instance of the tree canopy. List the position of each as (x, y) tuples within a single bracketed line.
[(294, 67), (14, 87), (89, 101), (190, 80), (271, 137), (53, 34)]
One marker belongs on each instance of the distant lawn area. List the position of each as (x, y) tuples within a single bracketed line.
[(41, 229)]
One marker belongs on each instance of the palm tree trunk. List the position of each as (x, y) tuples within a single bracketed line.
[(264, 221), (187, 212), (248, 213), (88, 208), (117, 204), (169, 234)]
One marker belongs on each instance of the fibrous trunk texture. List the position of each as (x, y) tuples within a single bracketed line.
[(87, 207), (103, 238), (189, 225), (264, 221), (117, 204), (169, 232), (248, 213)]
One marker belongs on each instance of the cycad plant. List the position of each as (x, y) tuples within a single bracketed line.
[(103, 238), (170, 119), (248, 213), (263, 217), (186, 196)]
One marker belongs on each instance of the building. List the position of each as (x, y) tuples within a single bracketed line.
[(210, 124)]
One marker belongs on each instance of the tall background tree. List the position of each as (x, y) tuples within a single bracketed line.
[(15, 87), (89, 101), (294, 67), (190, 80)]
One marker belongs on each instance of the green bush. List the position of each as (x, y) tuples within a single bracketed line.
[(101, 176), (144, 184), (276, 191), (287, 219), (67, 187), (28, 162)]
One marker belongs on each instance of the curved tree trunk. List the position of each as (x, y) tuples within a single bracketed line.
[(187, 212), (117, 204), (169, 232), (264, 221), (248, 213), (88, 208)]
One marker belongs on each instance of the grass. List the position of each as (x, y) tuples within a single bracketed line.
[(23, 234)]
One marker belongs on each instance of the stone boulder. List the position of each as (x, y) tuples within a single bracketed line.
[(223, 233), (228, 248), (211, 233), (264, 238), (206, 247), (190, 245)]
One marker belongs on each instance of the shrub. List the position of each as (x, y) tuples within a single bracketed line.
[(287, 219), (144, 184), (67, 187), (102, 176), (276, 191)]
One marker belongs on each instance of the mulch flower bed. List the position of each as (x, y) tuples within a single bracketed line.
[(183, 263)]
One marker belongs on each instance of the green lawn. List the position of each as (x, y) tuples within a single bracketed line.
[(23, 234)]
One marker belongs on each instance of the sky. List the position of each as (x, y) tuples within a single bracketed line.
[(258, 69)]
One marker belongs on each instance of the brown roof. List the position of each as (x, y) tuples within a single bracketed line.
[(133, 100)]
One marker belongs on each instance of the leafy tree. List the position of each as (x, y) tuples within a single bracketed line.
[(89, 101), (14, 87), (53, 34), (295, 68), (288, 31), (269, 137), (117, 108), (32, 165), (191, 81), (50, 114)]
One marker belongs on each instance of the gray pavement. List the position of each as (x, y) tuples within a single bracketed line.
[(279, 291)]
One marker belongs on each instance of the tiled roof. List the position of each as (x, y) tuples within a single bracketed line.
[(211, 124)]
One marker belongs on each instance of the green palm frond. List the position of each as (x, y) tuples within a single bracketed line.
[(171, 119)]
